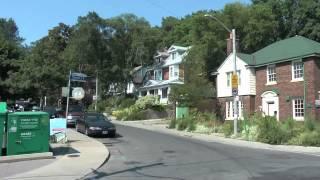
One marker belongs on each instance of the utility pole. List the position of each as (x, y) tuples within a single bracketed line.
[(68, 96), (95, 106), (234, 74), (235, 84)]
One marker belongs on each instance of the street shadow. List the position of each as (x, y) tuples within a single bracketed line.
[(61, 151), (98, 175), (106, 136)]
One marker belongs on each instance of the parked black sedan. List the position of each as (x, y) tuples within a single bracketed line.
[(95, 124)]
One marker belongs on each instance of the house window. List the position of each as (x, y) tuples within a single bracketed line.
[(176, 73), (228, 79), (271, 74), (297, 70), (230, 112), (298, 109), (156, 92), (228, 105), (164, 92), (171, 71)]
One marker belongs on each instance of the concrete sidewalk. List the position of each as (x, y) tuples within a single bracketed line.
[(161, 126), (77, 158)]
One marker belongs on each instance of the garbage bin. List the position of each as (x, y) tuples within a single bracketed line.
[(3, 117), (3, 107), (182, 112), (27, 132)]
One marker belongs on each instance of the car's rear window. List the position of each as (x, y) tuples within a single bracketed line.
[(95, 118), (75, 109)]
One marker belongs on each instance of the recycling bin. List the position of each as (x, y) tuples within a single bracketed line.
[(3, 117), (3, 107), (27, 132), (182, 112)]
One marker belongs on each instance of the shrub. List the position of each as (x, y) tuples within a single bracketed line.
[(126, 102), (269, 131), (309, 125), (308, 138), (172, 124), (227, 129), (200, 128), (191, 124), (146, 102), (186, 123), (182, 124)]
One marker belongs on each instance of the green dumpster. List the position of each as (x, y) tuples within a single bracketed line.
[(3, 117), (182, 112), (28, 132)]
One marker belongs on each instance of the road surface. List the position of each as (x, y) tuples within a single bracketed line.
[(138, 154)]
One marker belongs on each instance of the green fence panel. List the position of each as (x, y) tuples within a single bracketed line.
[(182, 112)]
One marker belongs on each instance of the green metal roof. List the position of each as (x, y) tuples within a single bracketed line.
[(294, 47), (246, 58)]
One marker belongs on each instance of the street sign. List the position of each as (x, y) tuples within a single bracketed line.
[(94, 98), (78, 93), (78, 77), (234, 81), (65, 91), (234, 91)]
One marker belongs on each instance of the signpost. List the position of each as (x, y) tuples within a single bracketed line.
[(234, 85)]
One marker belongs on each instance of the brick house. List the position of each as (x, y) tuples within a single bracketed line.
[(287, 80)]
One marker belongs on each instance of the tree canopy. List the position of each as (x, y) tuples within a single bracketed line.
[(112, 47)]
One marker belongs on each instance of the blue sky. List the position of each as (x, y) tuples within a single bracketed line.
[(35, 17)]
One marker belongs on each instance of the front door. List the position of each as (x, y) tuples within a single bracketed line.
[(271, 109), (270, 104)]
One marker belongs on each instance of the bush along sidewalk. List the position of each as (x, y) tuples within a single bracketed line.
[(198, 122), (255, 128), (139, 109)]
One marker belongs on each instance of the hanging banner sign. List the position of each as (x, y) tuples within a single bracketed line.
[(78, 77)]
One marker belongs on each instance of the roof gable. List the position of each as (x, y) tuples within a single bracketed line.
[(294, 47), (174, 48), (247, 58)]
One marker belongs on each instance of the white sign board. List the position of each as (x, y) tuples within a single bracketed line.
[(78, 93)]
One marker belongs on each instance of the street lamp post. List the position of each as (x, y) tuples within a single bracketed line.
[(234, 74)]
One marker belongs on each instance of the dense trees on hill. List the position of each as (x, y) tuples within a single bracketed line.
[(112, 47)]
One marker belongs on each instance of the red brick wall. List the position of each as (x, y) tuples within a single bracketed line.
[(288, 89)]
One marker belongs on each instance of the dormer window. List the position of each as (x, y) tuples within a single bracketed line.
[(173, 55)]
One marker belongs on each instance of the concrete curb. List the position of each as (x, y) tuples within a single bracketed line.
[(315, 151), (25, 157), (84, 156)]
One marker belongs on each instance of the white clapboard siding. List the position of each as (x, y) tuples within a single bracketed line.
[(247, 78)]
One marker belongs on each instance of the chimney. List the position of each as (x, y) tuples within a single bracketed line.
[(229, 45)]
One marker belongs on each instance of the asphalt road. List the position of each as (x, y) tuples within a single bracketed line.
[(139, 154)]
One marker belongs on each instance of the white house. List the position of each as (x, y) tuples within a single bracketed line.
[(166, 71), (246, 87)]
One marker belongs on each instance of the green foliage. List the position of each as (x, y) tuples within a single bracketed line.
[(186, 123), (172, 124), (307, 138), (309, 124), (227, 129), (270, 131), (146, 102)]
